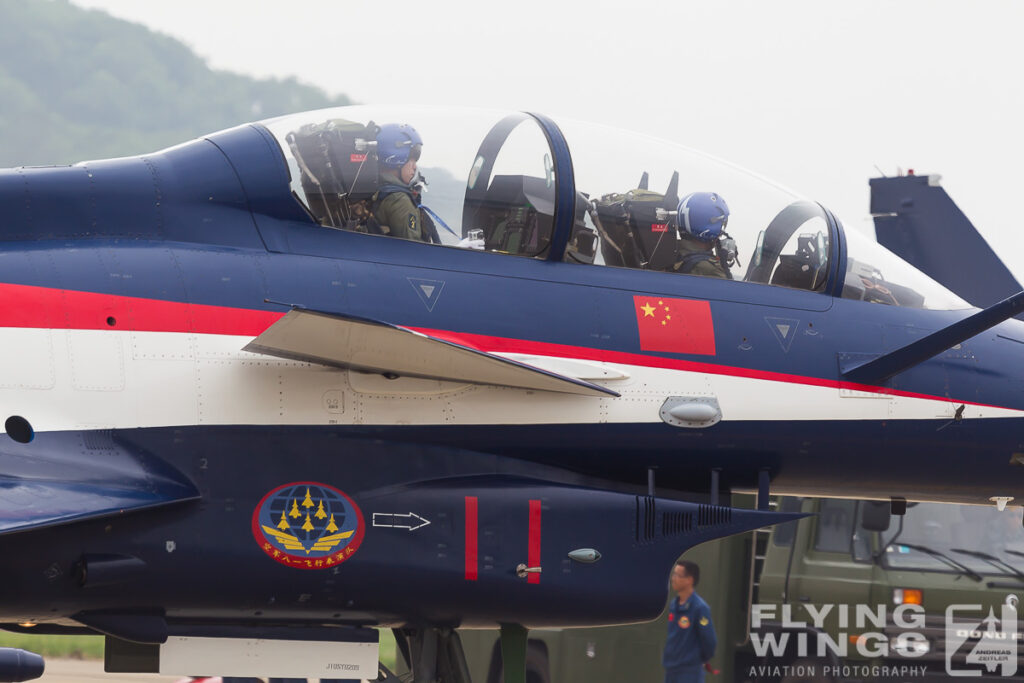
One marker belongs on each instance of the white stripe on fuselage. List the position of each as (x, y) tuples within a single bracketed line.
[(94, 379)]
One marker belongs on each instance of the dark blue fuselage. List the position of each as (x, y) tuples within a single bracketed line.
[(213, 224)]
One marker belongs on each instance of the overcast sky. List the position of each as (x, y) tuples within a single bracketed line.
[(812, 94)]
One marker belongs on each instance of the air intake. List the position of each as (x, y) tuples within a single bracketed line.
[(676, 523), (645, 519), (713, 515)]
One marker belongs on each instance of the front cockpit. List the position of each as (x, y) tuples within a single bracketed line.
[(521, 185), (480, 182)]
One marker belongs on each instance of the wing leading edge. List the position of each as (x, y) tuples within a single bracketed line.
[(363, 344)]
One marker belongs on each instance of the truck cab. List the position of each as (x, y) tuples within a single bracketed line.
[(932, 587)]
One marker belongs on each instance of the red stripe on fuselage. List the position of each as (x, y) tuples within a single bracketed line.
[(44, 307), (471, 539), (533, 546)]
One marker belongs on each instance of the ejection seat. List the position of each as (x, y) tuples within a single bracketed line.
[(338, 171), (633, 234)]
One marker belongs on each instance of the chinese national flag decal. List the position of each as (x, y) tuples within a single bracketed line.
[(674, 325)]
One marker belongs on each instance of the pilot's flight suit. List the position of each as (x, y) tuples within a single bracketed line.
[(397, 214), (708, 267), (691, 640)]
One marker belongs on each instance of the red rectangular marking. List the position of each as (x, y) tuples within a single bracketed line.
[(471, 539), (672, 325), (533, 551)]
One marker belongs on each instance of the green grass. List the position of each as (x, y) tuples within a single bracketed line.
[(72, 647), (388, 650), (91, 647)]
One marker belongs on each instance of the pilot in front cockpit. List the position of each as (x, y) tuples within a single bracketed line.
[(396, 202), (702, 249)]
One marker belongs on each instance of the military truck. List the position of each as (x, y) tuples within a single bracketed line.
[(849, 593)]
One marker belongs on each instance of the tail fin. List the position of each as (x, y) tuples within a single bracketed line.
[(916, 220)]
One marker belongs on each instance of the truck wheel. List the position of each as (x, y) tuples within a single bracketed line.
[(807, 671)]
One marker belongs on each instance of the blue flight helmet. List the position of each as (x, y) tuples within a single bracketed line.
[(396, 142), (703, 215)]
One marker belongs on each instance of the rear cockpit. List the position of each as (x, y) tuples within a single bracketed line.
[(520, 185)]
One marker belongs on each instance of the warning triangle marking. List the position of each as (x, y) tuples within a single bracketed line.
[(429, 291), (784, 330)]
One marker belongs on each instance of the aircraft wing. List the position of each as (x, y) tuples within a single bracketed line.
[(57, 482), (363, 344)]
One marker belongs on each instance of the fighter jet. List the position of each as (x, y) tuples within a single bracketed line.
[(271, 389)]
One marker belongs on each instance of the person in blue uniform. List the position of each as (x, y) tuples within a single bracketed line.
[(691, 637)]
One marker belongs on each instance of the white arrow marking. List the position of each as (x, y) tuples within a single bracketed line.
[(427, 289), (396, 520)]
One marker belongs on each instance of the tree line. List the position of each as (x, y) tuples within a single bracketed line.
[(79, 84)]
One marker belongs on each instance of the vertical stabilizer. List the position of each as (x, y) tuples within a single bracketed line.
[(916, 220)]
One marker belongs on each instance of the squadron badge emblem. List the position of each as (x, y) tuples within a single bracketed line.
[(308, 525)]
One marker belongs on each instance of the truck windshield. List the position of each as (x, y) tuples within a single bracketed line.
[(982, 539)]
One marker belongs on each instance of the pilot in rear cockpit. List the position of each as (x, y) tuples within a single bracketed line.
[(651, 230), (704, 248), (396, 202)]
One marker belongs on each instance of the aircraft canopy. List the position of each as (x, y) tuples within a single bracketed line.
[(523, 185)]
